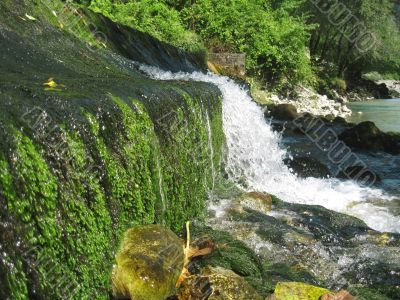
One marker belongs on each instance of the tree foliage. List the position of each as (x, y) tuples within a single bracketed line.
[(357, 35), (274, 41), (152, 16), (286, 41)]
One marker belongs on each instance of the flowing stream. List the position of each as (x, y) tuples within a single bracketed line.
[(255, 155)]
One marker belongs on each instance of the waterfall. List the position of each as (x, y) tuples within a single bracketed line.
[(256, 156)]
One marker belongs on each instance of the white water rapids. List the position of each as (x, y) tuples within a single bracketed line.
[(255, 155)]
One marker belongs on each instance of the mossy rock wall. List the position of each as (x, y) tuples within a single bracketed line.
[(100, 150)]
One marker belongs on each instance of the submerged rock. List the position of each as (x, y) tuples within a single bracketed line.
[(308, 167), (257, 201), (149, 263), (216, 283)]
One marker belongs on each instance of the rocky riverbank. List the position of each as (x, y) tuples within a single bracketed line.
[(305, 101), (393, 86), (308, 101)]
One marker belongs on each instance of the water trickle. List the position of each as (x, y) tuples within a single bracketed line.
[(160, 186), (255, 155), (211, 150)]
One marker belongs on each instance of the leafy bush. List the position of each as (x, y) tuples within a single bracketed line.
[(151, 16), (274, 41), (339, 84)]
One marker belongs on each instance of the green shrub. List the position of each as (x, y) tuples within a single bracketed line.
[(151, 16), (274, 41), (339, 84)]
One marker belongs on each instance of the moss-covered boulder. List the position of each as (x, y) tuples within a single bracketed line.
[(298, 291), (231, 254), (149, 263), (216, 283)]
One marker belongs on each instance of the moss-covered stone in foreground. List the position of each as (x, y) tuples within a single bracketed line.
[(149, 263)]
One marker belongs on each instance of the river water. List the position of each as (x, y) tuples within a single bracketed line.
[(384, 113)]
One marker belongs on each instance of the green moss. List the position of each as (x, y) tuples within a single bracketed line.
[(100, 163), (298, 291), (233, 255)]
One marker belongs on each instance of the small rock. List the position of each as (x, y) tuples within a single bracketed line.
[(257, 201), (149, 263)]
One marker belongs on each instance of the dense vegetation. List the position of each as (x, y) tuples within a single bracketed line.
[(286, 41)]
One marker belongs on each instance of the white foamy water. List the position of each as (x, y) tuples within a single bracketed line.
[(255, 155)]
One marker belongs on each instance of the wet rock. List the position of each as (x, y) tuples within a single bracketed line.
[(257, 201), (366, 136), (216, 283), (283, 112), (311, 244), (149, 263), (361, 89), (298, 291), (308, 167), (340, 120), (383, 91)]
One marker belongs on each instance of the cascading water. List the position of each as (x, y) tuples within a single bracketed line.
[(255, 155)]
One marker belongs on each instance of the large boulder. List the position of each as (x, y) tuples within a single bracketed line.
[(149, 263), (367, 136), (287, 112)]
